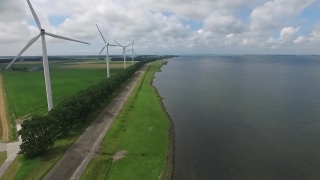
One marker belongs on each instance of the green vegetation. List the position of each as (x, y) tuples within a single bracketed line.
[(28, 165), (36, 168), (3, 157), (53, 155), (99, 165), (28, 94), (40, 133), (141, 130)]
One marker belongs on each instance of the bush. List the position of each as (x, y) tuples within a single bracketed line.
[(38, 134)]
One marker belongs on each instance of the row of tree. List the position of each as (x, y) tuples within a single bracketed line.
[(40, 132)]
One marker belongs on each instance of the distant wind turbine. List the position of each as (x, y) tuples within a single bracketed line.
[(107, 58), (132, 50), (44, 56), (124, 53)]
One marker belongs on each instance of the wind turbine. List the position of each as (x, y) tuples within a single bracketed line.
[(131, 52), (124, 53), (105, 45), (44, 51)]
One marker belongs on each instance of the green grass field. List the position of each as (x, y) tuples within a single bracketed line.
[(141, 129), (27, 91)]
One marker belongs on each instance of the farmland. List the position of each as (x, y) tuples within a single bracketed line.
[(26, 90)]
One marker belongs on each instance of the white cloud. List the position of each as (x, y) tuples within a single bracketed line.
[(144, 21), (275, 14), (299, 40), (223, 24), (288, 34)]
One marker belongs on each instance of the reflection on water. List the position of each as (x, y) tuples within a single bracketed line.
[(244, 117)]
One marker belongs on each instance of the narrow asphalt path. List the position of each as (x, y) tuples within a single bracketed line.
[(12, 152), (75, 160)]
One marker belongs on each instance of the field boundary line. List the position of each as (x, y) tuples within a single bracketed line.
[(3, 112)]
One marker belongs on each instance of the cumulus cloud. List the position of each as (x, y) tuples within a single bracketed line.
[(275, 14), (299, 40), (288, 34), (223, 24)]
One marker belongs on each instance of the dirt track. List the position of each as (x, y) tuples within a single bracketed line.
[(75, 160), (3, 113)]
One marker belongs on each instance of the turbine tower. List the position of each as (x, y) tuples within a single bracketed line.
[(124, 53), (132, 53), (105, 45), (45, 55)]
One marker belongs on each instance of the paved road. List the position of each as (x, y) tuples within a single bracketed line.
[(75, 160), (12, 152)]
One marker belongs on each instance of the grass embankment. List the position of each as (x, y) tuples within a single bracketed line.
[(36, 169), (140, 132), (27, 91)]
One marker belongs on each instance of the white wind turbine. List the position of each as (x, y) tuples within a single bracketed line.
[(132, 50), (107, 58), (44, 51), (124, 53)]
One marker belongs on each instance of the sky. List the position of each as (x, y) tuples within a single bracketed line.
[(164, 26)]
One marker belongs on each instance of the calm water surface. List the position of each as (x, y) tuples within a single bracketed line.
[(244, 117)]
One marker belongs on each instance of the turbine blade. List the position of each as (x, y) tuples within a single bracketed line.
[(128, 44), (24, 49), (101, 35), (101, 52), (34, 15), (135, 53), (65, 38), (118, 43), (113, 45)]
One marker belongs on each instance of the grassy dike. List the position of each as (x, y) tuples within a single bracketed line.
[(141, 138)]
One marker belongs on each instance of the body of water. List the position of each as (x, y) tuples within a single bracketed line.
[(244, 117)]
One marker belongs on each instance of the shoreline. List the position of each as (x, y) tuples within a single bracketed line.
[(168, 170)]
